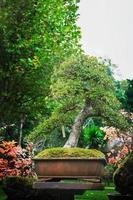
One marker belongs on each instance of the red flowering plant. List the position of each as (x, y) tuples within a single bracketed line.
[(15, 161), (119, 143)]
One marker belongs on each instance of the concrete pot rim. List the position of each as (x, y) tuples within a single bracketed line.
[(71, 158)]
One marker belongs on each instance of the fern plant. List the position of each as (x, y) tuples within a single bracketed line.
[(93, 136)]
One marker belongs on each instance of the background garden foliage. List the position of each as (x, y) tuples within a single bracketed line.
[(35, 35), (51, 93), (45, 78)]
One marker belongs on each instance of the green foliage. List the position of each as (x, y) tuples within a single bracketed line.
[(83, 80), (55, 138), (69, 153), (96, 194), (108, 173), (35, 35), (123, 176), (59, 116), (124, 90), (77, 81), (129, 94), (27, 181), (3, 196), (93, 136), (121, 88), (20, 188)]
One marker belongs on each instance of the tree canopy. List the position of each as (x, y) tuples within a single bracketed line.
[(82, 87), (129, 94), (35, 35), (46, 80)]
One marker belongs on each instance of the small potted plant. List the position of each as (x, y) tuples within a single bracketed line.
[(70, 162), (123, 180)]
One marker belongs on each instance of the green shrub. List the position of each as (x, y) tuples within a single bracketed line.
[(123, 176), (19, 180), (21, 188), (93, 136), (17, 187)]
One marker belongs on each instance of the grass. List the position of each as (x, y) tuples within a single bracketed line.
[(2, 194), (95, 194)]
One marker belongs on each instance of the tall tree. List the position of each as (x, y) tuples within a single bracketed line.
[(129, 94), (125, 93), (82, 87), (35, 35)]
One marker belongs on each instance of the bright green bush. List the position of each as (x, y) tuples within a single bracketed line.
[(93, 136)]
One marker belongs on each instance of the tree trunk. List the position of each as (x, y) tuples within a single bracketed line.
[(63, 131), (77, 126), (21, 130)]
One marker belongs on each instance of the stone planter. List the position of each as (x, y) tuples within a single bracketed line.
[(70, 167)]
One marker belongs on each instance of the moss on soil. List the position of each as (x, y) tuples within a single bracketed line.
[(60, 152)]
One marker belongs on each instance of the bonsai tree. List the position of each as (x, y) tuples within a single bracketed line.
[(123, 176), (70, 163), (82, 87)]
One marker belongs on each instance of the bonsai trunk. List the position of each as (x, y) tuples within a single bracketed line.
[(77, 126)]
